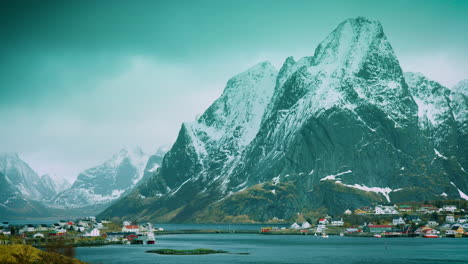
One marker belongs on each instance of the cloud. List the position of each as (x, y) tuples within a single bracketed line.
[(143, 105)]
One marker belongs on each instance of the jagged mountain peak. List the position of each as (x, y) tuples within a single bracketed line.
[(420, 84), (9, 157), (46, 177), (240, 107), (461, 87), (24, 178), (106, 182), (350, 43), (135, 155), (245, 81)]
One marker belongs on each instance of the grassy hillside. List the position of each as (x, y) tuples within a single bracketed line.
[(25, 254)]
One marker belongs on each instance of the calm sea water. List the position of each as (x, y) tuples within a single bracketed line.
[(255, 227), (286, 249)]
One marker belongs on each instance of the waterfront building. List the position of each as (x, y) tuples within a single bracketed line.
[(377, 228), (93, 233), (131, 228)]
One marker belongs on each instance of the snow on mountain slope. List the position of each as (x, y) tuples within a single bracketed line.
[(431, 98), (214, 142), (443, 115), (103, 184), (461, 87), (25, 179), (238, 112), (345, 112)]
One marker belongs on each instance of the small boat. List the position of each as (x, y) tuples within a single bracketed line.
[(341, 234), (377, 235), (150, 238), (324, 235), (431, 235)]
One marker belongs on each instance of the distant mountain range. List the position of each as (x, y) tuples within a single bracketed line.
[(340, 129), (25, 194), (22, 191), (97, 187)]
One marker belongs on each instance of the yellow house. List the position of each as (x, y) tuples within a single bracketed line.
[(458, 229), (359, 212)]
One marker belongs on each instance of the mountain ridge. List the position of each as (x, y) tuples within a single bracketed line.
[(342, 129)]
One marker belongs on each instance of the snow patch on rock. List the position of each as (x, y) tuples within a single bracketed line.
[(334, 177), (462, 194)]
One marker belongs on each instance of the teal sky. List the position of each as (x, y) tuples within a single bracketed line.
[(81, 79)]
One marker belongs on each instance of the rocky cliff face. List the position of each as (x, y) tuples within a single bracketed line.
[(341, 129)]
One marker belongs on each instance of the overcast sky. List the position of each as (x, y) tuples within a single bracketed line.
[(82, 79)]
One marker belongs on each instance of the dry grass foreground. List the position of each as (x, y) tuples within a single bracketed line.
[(25, 254)]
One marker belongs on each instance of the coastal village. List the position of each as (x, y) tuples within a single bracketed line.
[(388, 220), (81, 232), (385, 220)]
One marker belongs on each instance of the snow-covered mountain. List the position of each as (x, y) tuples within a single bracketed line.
[(461, 87), (22, 191), (340, 129), (14, 204), (98, 186), (19, 174)]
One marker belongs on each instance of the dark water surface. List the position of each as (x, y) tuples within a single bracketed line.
[(255, 227), (286, 249)]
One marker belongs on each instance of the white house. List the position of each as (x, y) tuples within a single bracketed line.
[(79, 228), (323, 221), (306, 225), (61, 230), (398, 220), (413, 218), (385, 209), (337, 222), (93, 233), (348, 212), (461, 220), (295, 226), (6, 232), (99, 225), (43, 228), (449, 208), (125, 223), (28, 228), (450, 219), (131, 228)]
